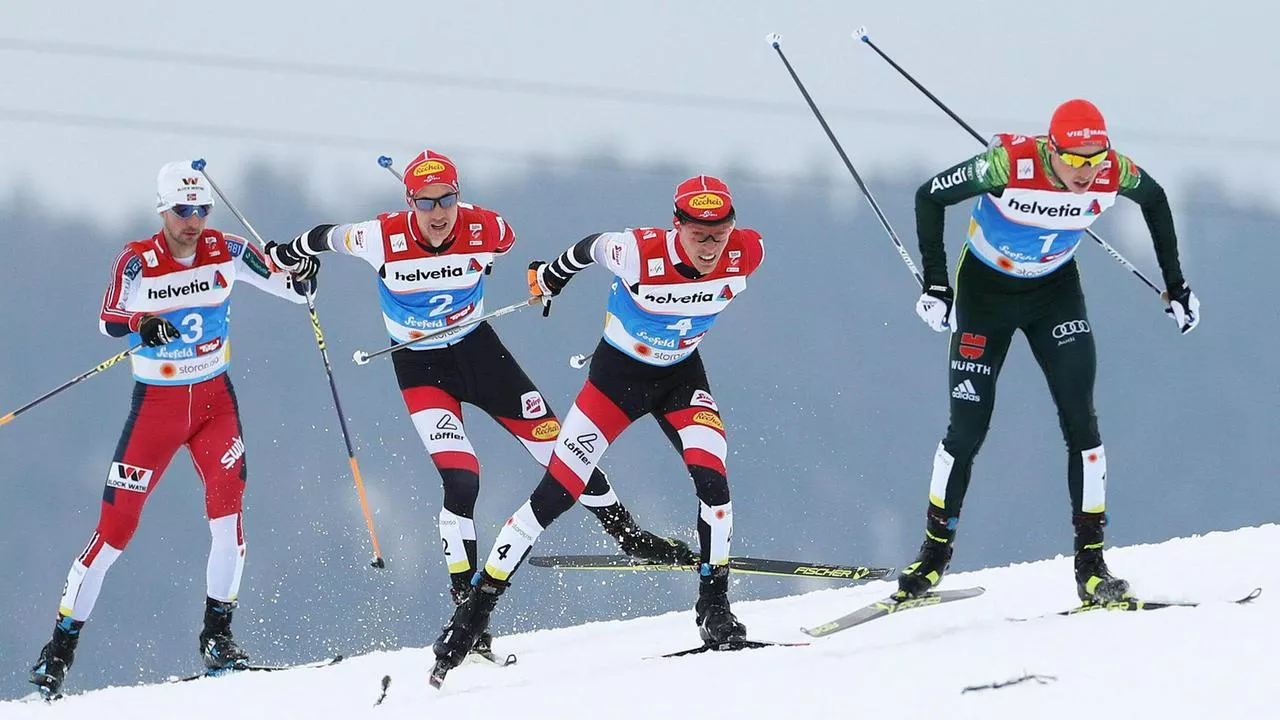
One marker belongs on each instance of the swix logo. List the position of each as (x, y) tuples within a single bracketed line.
[(234, 453), (1035, 208), (581, 446), (421, 275), (972, 345), (129, 477), (682, 299), (173, 291), (725, 295), (474, 266), (1094, 208)]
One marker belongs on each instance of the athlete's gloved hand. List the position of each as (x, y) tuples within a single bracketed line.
[(1183, 307), (157, 331), (308, 286), (544, 281), (936, 307), (285, 258)]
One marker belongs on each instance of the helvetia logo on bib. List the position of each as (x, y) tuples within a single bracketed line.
[(726, 294), (474, 266), (1094, 208)]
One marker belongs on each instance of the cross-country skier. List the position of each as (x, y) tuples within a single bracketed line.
[(431, 263), (172, 293), (670, 287), (1017, 271)]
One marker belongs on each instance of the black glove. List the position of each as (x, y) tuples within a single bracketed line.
[(306, 279), (157, 331), (284, 257), (544, 281), (307, 270)]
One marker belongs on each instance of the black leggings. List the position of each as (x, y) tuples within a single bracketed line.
[(1050, 311)]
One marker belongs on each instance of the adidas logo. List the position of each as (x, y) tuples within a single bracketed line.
[(966, 391)]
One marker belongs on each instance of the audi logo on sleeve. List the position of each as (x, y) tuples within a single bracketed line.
[(1071, 327)]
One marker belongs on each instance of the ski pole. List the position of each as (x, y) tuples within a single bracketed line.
[(861, 34), (4, 420), (377, 562), (775, 41), (361, 357)]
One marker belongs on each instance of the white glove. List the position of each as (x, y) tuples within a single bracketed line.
[(1183, 307), (936, 307)]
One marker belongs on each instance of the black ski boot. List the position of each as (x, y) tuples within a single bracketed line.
[(56, 658), (640, 543), (926, 572), (217, 646), (716, 623), (1094, 582), (460, 587), (469, 622)]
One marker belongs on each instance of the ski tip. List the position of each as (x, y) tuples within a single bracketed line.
[(774, 40), (384, 161), (1253, 595), (861, 34)]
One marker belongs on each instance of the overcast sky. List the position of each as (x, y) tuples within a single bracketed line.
[(98, 95)]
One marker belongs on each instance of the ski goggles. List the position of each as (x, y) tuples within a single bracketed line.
[(427, 204), (1078, 161), (186, 211)]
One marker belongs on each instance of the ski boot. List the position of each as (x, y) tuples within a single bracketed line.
[(641, 544), (56, 658), (469, 623), (926, 572), (217, 647), (1094, 582), (460, 587), (716, 623)]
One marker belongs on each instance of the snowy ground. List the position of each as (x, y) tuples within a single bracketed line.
[(1205, 662)]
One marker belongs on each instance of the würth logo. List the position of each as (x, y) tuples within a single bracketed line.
[(972, 345)]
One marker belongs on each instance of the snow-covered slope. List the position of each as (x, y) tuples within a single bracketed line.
[(1206, 662)]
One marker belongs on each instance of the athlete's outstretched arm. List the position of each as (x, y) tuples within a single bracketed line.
[(253, 268), (1143, 189), (987, 172)]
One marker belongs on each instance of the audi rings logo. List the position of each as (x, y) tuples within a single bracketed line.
[(1071, 327)]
